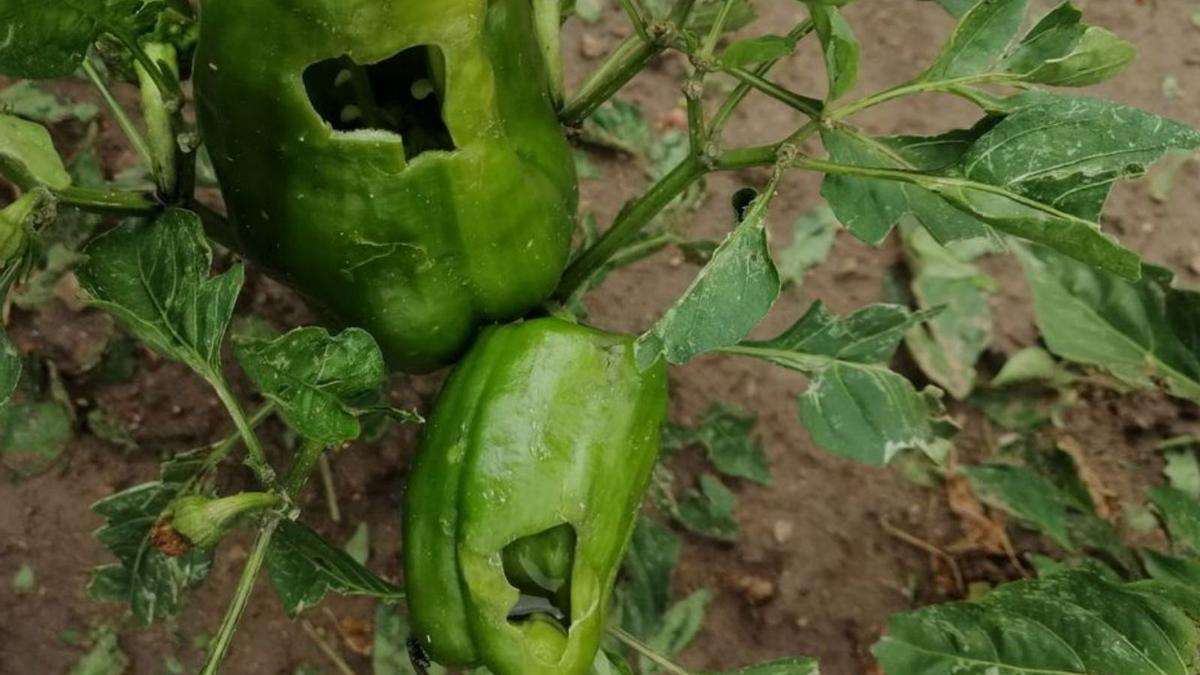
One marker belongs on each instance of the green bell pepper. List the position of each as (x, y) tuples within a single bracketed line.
[(398, 161), (524, 494)]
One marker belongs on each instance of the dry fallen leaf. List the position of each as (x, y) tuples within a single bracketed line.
[(357, 633)]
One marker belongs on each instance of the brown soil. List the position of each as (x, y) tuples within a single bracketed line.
[(814, 571)]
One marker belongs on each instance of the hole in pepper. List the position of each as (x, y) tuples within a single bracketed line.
[(539, 566), (402, 94)]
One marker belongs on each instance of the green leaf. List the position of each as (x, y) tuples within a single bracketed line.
[(154, 278), (956, 8), (839, 46), (1062, 51), (1182, 470), (1162, 567), (358, 547), (711, 512), (728, 436), (49, 40), (1032, 364), (797, 665), (812, 237), (1135, 330), (1073, 622), (10, 369), (756, 50), (980, 41), (24, 581), (855, 407), (645, 590), (1181, 513), (869, 207), (314, 378), (948, 345), (105, 656), (35, 428), (150, 582), (303, 567), (27, 155), (1066, 152), (389, 654), (680, 625), (1025, 494), (25, 99), (729, 297)]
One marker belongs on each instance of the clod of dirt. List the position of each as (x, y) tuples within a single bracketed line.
[(357, 633), (754, 590)]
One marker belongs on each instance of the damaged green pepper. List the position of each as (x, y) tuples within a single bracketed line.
[(400, 162), (524, 494)]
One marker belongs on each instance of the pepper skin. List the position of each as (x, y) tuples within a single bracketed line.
[(398, 161), (528, 480)]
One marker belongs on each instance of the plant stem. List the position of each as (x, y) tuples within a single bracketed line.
[(628, 224), (140, 146), (222, 448), (331, 498), (636, 18), (171, 91), (725, 112), (160, 129), (241, 597), (714, 33), (327, 649), (809, 106), (306, 460), (548, 30), (915, 87), (645, 650), (256, 457), (620, 66), (216, 226), (109, 201)]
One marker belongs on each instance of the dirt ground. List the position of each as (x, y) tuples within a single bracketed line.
[(834, 572)]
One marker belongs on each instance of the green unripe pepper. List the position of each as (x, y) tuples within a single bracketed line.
[(524, 494), (398, 161)]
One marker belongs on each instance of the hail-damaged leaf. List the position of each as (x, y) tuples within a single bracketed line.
[(980, 41), (728, 436), (1144, 332), (154, 278), (1066, 152), (1073, 622), (25, 99), (812, 236), (839, 46), (43, 40), (855, 407), (948, 345), (729, 297), (1025, 494), (149, 581), (303, 567), (755, 50), (710, 512), (1062, 51), (870, 207), (28, 157), (1182, 467), (315, 378), (1032, 364)]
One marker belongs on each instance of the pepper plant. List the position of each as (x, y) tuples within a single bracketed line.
[(406, 166)]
